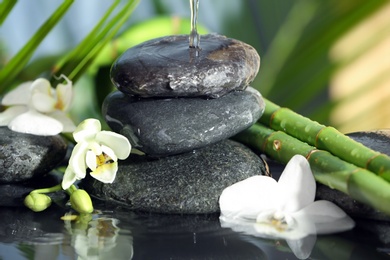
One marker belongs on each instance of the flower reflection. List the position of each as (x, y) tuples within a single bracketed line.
[(286, 209), (98, 238)]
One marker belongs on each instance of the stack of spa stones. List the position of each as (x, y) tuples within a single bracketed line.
[(179, 105)]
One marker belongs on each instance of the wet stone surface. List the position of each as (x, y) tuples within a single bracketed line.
[(161, 127), (12, 195), (167, 67), (189, 183), (378, 141), (25, 156)]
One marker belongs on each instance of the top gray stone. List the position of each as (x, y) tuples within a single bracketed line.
[(167, 67), (26, 156)]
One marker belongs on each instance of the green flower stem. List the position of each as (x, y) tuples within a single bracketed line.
[(325, 138), (358, 183), (48, 190), (71, 189)]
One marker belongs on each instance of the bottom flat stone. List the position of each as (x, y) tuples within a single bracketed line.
[(189, 183)]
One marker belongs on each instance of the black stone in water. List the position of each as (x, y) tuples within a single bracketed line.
[(162, 127), (26, 156), (167, 67), (189, 183)]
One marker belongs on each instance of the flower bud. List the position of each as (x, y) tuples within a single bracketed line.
[(37, 202), (81, 201)]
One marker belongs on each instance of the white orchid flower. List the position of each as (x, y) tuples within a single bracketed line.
[(97, 150), (286, 209), (36, 108)]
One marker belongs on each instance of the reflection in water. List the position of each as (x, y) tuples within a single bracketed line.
[(118, 233), (98, 238)]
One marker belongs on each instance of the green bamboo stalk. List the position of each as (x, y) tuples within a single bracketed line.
[(12, 69), (325, 138), (360, 184), (5, 9)]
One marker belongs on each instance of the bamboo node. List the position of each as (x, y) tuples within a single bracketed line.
[(310, 153), (277, 145), (371, 159), (271, 118), (318, 136)]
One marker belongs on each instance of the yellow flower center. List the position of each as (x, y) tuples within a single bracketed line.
[(280, 224), (103, 159), (59, 105)]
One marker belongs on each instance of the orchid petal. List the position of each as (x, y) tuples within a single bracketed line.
[(326, 217), (64, 95), (118, 143), (67, 123), (77, 160), (248, 197), (35, 123), (106, 173), (296, 185), (95, 147), (18, 96), (109, 152), (41, 85), (10, 113), (91, 160), (43, 102), (302, 247), (87, 130), (68, 179)]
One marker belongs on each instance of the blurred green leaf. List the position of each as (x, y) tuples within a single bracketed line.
[(84, 54), (6, 7), (12, 69), (306, 72)]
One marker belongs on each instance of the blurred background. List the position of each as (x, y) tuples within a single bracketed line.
[(326, 59)]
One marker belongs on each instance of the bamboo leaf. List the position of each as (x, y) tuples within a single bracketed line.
[(82, 49), (111, 29), (12, 69), (76, 64), (285, 41), (5, 8), (306, 72)]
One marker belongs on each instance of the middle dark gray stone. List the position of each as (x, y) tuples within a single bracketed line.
[(161, 127)]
